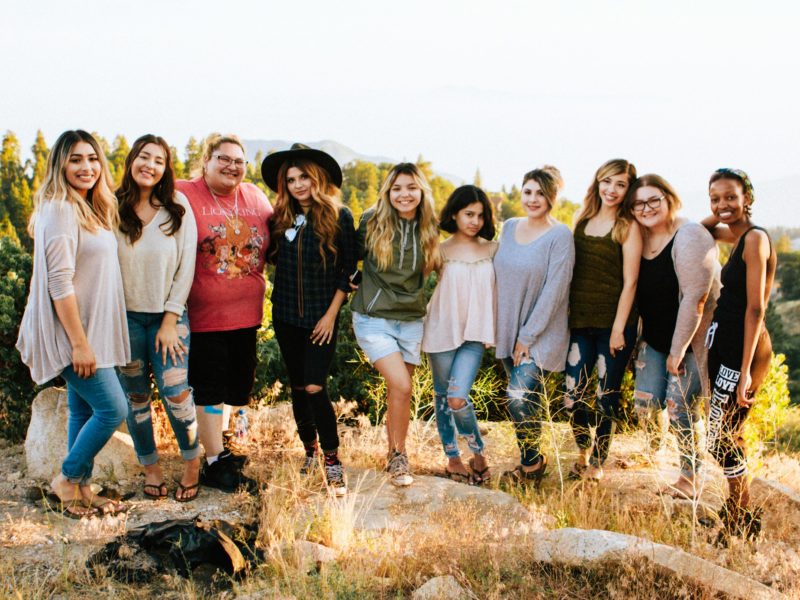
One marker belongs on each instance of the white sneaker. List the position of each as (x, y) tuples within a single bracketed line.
[(399, 473)]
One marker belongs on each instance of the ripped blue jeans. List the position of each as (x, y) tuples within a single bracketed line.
[(454, 373), (589, 349), (172, 380), (524, 404), (657, 389)]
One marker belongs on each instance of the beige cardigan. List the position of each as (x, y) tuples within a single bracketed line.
[(68, 260)]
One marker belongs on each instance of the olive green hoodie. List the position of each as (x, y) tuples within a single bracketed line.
[(397, 292)]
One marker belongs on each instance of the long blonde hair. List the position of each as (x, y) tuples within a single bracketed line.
[(325, 206), (592, 201), (382, 225), (99, 209)]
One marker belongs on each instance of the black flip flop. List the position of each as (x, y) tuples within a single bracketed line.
[(187, 488), (479, 476), (155, 486)]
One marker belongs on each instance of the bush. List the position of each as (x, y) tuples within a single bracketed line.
[(16, 388), (770, 409)]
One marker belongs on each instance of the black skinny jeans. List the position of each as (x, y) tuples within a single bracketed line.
[(309, 364)]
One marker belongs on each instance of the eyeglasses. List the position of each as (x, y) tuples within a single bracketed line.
[(227, 161), (291, 234), (651, 203)]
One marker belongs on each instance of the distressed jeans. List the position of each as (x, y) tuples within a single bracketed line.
[(589, 348), (454, 373), (171, 379), (524, 403), (681, 395), (96, 408)]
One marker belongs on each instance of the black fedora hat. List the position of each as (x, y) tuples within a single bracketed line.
[(272, 164)]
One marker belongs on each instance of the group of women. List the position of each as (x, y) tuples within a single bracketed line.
[(167, 278)]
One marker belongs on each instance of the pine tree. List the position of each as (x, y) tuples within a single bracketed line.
[(16, 200), (784, 244), (194, 157), (38, 165), (116, 159), (355, 206), (477, 181), (425, 168), (177, 164)]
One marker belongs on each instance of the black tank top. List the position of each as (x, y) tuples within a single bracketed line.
[(732, 302), (657, 297)]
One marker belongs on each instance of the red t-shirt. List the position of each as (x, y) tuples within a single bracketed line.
[(232, 239)]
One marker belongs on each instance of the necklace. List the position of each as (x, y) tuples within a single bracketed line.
[(235, 223)]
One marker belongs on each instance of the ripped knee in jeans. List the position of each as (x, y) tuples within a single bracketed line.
[(135, 368)]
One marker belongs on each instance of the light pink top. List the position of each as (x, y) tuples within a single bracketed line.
[(462, 308)]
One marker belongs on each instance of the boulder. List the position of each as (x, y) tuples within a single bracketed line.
[(46, 442), (445, 587), (580, 547)]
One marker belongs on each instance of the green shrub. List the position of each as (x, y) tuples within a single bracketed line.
[(770, 409), (16, 388)]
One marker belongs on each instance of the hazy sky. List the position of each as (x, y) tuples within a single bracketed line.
[(679, 87)]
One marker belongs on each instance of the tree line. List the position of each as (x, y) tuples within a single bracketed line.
[(20, 179)]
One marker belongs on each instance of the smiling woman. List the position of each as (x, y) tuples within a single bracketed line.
[(72, 327), (739, 344), (601, 319), (157, 237), (677, 291), (534, 269), (226, 298), (399, 241)]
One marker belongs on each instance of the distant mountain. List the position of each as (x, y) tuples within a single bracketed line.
[(343, 154), (340, 152)]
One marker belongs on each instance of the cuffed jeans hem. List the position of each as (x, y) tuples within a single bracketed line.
[(148, 459), (192, 453), (79, 479)]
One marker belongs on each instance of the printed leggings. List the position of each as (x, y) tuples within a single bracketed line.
[(726, 418)]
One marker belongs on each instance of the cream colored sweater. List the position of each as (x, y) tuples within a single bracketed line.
[(68, 260), (158, 270)]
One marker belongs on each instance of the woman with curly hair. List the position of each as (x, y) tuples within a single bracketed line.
[(313, 248)]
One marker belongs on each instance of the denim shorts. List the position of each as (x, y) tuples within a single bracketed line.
[(380, 337)]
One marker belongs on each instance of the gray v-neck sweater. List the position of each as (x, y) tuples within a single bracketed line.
[(532, 294)]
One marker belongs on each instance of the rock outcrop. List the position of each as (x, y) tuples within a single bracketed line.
[(46, 442)]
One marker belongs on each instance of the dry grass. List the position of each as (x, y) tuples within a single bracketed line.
[(391, 564)]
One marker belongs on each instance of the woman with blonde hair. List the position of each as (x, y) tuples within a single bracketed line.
[(608, 246), (398, 239), (533, 267), (313, 248), (226, 299), (72, 326), (677, 291)]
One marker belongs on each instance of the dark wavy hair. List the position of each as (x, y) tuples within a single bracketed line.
[(163, 193), (461, 198)]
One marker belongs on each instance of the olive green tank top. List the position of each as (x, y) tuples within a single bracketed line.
[(596, 281)]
